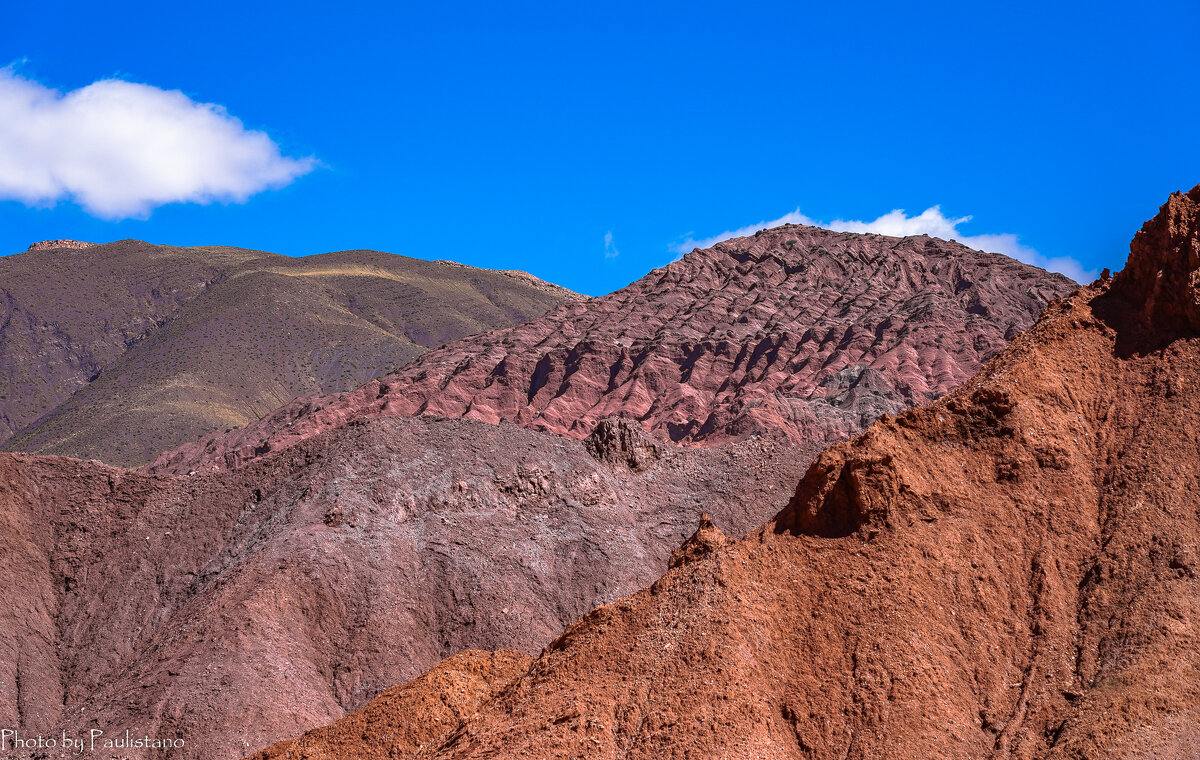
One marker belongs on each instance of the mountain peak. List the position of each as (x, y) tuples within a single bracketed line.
[(1162, 276)]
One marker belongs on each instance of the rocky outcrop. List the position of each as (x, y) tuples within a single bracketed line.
[(797, 333), (707, 539), (1162, 278), (1008, 572), (622, 443), (50, 245)]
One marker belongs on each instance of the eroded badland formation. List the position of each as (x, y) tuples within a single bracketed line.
[(1008, 571)]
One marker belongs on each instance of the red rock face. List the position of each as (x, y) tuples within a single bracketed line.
[(1166, 288), (1008, 572), (797, 333)]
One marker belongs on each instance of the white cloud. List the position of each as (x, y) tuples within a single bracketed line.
[(793, 218), (610, 250), (120, 149), (930, 222)]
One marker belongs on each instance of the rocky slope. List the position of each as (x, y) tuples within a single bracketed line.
[(239, 608), (410, 717), (120, 351), (1009, 572), (797, 333)]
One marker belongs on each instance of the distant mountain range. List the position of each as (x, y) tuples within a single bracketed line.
[(119, 351)]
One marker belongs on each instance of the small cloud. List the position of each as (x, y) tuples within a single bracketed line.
[(690, 242), (120, 149), (930, 222), (610, 250)]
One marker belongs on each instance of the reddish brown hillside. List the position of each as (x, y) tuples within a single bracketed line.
[(798, 333), (421, 713), (1010, 572), (120, 351), (67, 313), (247, 606)]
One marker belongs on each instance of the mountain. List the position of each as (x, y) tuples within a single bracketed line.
[(796, 333), (120, 351), (1010, 571), (244, 605)]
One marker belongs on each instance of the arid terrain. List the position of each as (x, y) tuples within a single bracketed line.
[(796, 333), (119, 351), (1009, 572), (251, 604), (279, 591)]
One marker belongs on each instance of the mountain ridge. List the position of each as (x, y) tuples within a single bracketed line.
[(134, 348), (857, 325)]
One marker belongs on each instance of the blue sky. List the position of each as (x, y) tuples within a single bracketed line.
[(589, 143)]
